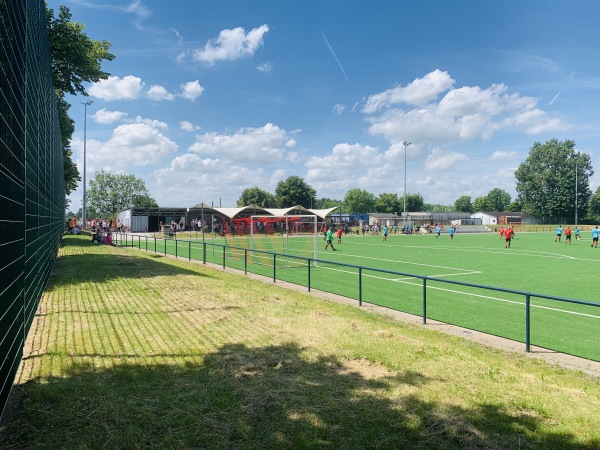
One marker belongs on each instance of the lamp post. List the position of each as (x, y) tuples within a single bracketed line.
[(83, 214), (576, 194), (406, 144)]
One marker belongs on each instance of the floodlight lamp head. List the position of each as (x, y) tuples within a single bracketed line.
[(406, 143)]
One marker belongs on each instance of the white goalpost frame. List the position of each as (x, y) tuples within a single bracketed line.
[(286, 232)]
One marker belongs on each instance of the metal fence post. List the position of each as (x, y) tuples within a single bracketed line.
[(360, 286), (527, 323), (274, 267), (189, 250), (309, 264), (204, 253), (424, 300), (223, 257), (175, 248), (245, 261)]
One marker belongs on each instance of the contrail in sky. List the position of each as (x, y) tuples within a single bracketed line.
[(555, 97), (336, 58)]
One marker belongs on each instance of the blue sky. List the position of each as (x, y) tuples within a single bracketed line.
[(206, 99)]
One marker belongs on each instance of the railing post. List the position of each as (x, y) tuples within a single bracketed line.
[(204, 253), (360, 286), (223, 257), (189, 250), (424, 300), (165, 246), (154, 245), (175, 248), (146, 237), (274, 267), (527, 323), (309, 264), (139, 242), (245, 261)]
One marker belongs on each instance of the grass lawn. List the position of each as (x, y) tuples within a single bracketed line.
[(134, 350), (535, 263)]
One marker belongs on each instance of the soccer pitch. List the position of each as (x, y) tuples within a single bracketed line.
[(535, 263)]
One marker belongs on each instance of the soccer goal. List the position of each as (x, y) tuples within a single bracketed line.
[(288, 235)]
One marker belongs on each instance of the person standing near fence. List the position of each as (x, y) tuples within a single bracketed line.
[(595, 234)]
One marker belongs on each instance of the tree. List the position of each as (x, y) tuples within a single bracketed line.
[(414, 202), (481, 204), (498, 199), (326, 203), (515, 206), (436, 207), (109, 194), (463, 204), (387, 203), (359, 201), (594, 205), (257, 196), (294, 191), (76, 59), (546, 180)]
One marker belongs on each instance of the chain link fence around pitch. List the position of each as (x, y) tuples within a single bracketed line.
[(32, 196)]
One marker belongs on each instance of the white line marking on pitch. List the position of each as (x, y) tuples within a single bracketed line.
[(400, 280), (410, 262)]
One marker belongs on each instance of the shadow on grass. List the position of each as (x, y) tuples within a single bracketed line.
[(83, 261), (256, 398)]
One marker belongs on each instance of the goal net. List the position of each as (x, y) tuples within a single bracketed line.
[(294, 237)]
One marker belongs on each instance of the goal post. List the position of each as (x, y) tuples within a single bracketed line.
[(291, 235)]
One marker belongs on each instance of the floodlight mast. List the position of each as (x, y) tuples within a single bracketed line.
[(406, 144)]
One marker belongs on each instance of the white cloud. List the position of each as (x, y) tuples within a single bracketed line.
[(419, 92), (442, 160), (187, 126), (231, 44), (346, 156), (503, 156), (265, 67), (136, 7), (157, 92), (135, 144), (339, 108), (105, 117), (191, 90), (462, 114), (250, 145), (198, 179), (115, 88)]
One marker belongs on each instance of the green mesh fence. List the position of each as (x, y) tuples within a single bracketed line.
[(31, 176)]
